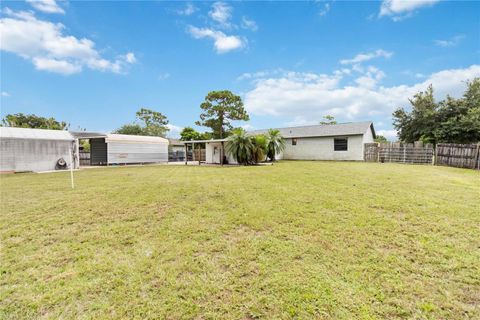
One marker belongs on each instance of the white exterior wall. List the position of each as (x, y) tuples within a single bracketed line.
[(136, 152), (212, 155), (368, 136), (321, 148), (35, 155), (315, 148)]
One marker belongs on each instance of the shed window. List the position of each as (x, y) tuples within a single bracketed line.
[(294, 141), (340, 144)]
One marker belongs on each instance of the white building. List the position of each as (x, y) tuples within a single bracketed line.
[(127, 149), (25, 150), (36, 150), (343, 141)]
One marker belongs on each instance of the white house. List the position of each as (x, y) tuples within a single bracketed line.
[(343, 141)]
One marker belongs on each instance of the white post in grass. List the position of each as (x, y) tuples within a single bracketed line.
[(71, 166)]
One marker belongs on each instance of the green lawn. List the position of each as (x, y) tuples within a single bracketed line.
[(328, 240)]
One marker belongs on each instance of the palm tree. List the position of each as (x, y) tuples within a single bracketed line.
[(275, 143), (240, 147), (259, 151)]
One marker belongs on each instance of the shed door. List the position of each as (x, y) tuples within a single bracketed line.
[(98, 151)]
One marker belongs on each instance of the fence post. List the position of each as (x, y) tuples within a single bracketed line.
[(477, 162)]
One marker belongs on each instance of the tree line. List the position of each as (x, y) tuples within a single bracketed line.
[(449, 121)]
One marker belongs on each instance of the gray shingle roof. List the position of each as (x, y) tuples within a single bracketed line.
[(323, 130)]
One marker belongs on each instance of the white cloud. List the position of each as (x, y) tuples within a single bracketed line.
[(325, 10), (300, 121), (174, 130), (222, 42), (58, 66), (259, 74), (362, 57), (452, 42), (371, 76), (5, 94), (221, 13), (391, 135), (401, 9), (247, 127), (130, 57), (249, 24), (48, 48), (164, 76), (309, 96), (47, 6), (188, 10)]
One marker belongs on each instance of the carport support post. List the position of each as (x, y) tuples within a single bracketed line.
[(186, 159), (221, 154), (71, 165), (199, 153), (193, 151)]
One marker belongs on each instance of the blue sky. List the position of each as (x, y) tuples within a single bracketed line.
[(94, 64)]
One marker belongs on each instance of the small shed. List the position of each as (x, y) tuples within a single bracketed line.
[(35, 150), (127, 149)]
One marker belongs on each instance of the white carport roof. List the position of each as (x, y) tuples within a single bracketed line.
[(204, 141), (126, 138), (35, 134)]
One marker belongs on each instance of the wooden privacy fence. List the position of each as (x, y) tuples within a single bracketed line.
[(370, 152), (458, 155), (414, 153), (445, 154), (199, 155)]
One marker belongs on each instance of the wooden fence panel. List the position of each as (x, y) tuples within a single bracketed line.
[(414, 153), (458, 155), (370, 152), (199, 155)]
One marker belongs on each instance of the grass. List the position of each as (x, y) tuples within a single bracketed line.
[(328, 240)]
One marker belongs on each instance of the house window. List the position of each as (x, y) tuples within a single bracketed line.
[(294, 141), (340, 144)]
